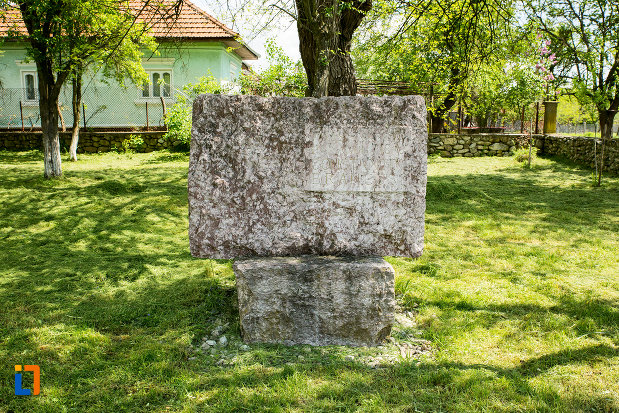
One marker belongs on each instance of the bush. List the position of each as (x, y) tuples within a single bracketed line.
[(178, 118), (283, 77), (522, 156), (132, 144)]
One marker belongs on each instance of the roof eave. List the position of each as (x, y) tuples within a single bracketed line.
[(242, 50)]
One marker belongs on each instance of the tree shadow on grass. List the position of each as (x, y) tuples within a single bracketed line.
[(441, 386), (99, 288)]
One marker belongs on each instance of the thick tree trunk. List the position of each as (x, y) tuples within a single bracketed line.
[(50, 78), (51, 144), (317, 40), (325, 30), (48, 107), (342, 80), (439, 114), (77, 104)]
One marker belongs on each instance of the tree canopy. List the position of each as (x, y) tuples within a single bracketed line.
[(434, 44)]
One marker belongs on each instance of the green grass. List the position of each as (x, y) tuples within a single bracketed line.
[(590, 134), (517, 293)]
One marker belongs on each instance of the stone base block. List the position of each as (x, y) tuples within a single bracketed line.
[(315, 300)]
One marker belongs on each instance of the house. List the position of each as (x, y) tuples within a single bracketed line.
[(192, 45)]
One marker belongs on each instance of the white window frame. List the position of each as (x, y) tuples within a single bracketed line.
[(151, 85), (24, 73)]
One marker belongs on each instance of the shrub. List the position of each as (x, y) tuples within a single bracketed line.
[(178, 118), (132, 144), (283, 77), (522, 156)]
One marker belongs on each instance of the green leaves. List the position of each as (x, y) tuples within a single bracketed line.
[(586, 34), (283, 76)]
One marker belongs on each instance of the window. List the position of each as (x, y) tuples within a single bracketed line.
[(29, 82), (159, 85), (234, 70)]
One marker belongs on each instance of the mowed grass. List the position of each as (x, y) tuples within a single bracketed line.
[(517, 292)]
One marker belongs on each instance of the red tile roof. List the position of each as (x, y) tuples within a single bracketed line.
[(12, 24), (187, 21)]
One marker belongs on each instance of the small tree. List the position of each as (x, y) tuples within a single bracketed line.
[(487, 94), (120, 61), (59, 52), (524, 88), (586, 34)]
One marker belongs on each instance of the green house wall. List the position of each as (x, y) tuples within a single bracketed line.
[(107, 103)]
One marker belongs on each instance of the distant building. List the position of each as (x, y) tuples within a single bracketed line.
[(191, 46)]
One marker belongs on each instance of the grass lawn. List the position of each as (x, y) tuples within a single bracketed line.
[(515, 301)]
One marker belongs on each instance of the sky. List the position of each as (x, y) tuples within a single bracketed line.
[(286, 37)]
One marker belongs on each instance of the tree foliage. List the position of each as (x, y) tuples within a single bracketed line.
[(437, 44), (586, 35)]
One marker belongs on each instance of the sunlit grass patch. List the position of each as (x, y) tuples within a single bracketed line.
[(517, 294)]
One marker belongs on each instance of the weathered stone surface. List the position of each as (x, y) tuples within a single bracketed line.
[(499, 147), (315, 300), (289, 176)]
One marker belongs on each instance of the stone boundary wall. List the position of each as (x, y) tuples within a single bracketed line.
[(90, 142), (580, 150), (479, 144), (576, 149)]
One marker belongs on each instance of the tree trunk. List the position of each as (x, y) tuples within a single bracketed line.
[(438, 114), (342, 80), (325, 37), (77, 104), (607, 118), (50, 78), (48, 106), (317, 35), (61, 118)]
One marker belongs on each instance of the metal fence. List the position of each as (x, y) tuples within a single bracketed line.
[(589, 129), (102, 107)]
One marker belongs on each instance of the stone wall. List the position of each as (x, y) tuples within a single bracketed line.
[(90, 142), (577, 149), (482, 144), (580, 150)]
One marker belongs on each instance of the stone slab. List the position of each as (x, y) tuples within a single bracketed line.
[(315, 300), (293, 176)]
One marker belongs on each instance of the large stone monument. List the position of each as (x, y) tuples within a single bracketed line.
[(289, 177)]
